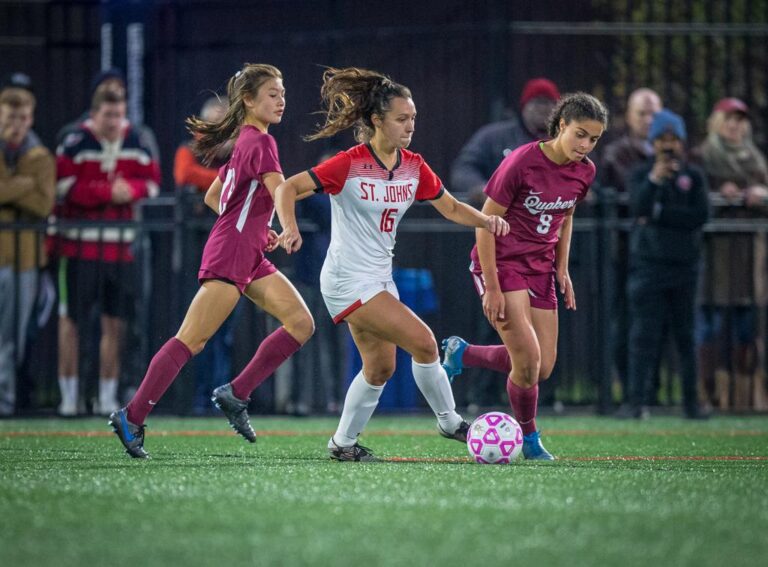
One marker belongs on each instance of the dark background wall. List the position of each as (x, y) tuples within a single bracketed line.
[(464, 61)]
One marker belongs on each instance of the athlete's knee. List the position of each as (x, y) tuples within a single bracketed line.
[(195, 345), (424, 348), (378, 374), (527, 369), (301, 327)]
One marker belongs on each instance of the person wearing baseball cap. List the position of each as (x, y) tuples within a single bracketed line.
[(669, 205), (485, 150), (735, 276)]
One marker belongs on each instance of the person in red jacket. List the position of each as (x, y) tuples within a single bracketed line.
[(188, 171), (103, 168)]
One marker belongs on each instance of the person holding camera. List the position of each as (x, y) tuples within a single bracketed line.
[(669, 205)]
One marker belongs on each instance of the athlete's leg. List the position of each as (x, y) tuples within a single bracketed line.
[(112, 329), (387, 318), (277, 296), (545, 325), (519, 336), (365, 390), (212, 304)]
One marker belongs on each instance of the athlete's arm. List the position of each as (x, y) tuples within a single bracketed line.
[(562, 253), (493, 298), (213, 195), (286, 194), (461, 213)]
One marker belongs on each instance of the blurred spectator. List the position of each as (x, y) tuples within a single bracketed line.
[(619, 158), (483, 153), (27, 189), (188, 171), (632, 148), (668, 200), (103, 168), (111, 80), (734, 285)]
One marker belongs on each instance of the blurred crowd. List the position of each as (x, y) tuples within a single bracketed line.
[(705, 292)]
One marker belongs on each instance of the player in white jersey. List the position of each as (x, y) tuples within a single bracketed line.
[(371, 186)]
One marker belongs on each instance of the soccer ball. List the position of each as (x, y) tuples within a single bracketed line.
[(494, 439)]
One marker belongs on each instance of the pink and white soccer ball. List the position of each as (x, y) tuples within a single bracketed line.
[(495, 438)]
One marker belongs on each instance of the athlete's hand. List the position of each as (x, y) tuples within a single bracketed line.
[(566, 288), (496, 225), (272, 241), (290, 239), (493, 306)]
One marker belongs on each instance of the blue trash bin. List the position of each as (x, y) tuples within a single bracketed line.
[(417, 291)]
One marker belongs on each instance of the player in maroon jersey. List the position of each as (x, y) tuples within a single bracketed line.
[(536, 189), (371, 186), (233, 261)]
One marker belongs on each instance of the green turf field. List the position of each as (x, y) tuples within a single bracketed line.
[(661, 492)]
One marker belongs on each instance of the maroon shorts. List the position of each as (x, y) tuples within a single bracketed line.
[(262, 269), (541, 287)]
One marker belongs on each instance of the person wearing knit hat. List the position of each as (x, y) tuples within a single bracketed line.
[(669, 205), (482, 154), (618, 159)]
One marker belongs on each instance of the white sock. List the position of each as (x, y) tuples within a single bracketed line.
[(107, 392), (433, 383), (362, 399), (68, 389)]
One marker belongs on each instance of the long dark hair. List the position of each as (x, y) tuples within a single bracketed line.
[(209, 136), (351, 97), (576, 106)]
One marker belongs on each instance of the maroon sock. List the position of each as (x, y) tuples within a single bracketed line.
[(162, 371), (524, 402), (272, 352), (493, 357)]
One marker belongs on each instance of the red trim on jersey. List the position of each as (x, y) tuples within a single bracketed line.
[(354, 307)]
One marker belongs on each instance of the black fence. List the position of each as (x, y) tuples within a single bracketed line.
[(465, 62), (431, 264)]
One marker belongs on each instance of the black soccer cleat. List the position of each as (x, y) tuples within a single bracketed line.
[(459, 435), (354, 453), (130, 434), (236, 411)]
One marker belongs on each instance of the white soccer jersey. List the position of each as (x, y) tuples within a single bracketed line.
[(367, 203)]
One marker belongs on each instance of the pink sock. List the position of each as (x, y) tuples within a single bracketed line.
[(272, 352), (524, 402), (162, 371), (493, 357)]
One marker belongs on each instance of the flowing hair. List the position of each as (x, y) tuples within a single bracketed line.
[(576, 106), (210, 136), (351, 97)]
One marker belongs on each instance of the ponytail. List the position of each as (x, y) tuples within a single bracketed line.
[(210, 136), (576, 106), (351, 97)]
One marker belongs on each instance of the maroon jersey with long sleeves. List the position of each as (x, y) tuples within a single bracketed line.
[(236, 243), (537, 193)]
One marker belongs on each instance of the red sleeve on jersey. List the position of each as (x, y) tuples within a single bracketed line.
[(331, 175), (430, 187)]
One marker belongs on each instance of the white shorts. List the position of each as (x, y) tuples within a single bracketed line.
[(347, 298)]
